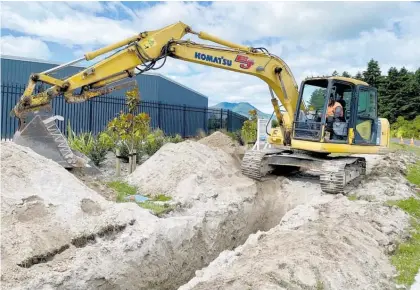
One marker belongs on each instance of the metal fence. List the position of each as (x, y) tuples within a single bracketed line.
[(94, 115)]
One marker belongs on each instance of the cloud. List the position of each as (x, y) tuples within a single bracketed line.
[(312, 38), (25, 47)]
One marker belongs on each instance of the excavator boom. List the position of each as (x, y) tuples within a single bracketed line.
[(132, 56)]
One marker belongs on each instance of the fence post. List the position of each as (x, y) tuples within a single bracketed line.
[(90, 115), (205, 127), (184, 122), (159, 115)]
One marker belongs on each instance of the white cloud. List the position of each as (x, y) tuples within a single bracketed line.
[(24, 46), (313, 38)]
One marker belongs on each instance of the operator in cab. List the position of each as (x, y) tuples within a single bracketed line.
[(335, 109), (334, 114)]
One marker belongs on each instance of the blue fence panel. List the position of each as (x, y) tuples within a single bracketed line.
[(94, 115)]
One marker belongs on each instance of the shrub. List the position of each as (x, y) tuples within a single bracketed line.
[(249, 128), (176, 139), (87, 144), (153, 142), (236, 136), (405, 128), (106, 141), (98, 153)]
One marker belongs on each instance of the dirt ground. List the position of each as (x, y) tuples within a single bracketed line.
[(64, 231)]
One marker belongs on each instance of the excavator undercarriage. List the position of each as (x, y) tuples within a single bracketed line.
[(335, 172)]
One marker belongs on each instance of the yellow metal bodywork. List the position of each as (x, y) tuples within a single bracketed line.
[(336, 148), (152, 45), (365, 129)]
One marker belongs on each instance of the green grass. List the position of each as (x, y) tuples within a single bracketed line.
[(161, 197), (352, 197), (157, 209), (413, 173), (123, 189), (406, 258), (410, 206), (319, 285)]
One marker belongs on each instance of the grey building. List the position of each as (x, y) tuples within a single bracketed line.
[(170, 105), (153, 87)]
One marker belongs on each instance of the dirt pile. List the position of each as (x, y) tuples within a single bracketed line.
[(335, 245), (59, 234), (48, 214), (221, 141), (187, 171), (385, 179), (325, 243), (66, 236)]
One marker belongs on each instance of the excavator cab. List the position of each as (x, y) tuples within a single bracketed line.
[(340, 111)]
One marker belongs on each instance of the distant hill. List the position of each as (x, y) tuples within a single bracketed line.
[(241, 108)]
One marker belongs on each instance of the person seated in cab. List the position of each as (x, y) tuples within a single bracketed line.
[(335, 109), (334, 113)]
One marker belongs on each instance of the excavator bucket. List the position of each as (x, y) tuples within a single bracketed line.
[(39, 131)]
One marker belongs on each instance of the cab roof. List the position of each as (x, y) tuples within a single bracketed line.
[(350, 80)]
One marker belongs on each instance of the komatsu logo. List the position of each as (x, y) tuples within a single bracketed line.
[(214, 59)]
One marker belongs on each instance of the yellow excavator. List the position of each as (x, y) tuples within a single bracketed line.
[(311, 124)]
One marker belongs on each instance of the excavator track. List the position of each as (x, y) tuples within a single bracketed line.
[(255, 165), (337, 174)]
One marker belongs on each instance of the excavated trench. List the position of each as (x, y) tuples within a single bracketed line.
[(185, 249), (122, 246)]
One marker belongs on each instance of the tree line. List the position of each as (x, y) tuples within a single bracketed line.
[(398, 96)]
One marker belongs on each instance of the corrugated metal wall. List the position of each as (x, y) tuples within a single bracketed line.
[(153, 87), (171, 106)]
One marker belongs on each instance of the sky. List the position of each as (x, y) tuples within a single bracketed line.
[(313, 38)]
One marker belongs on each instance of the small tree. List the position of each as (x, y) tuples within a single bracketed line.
[(249, 128), (129, 129)]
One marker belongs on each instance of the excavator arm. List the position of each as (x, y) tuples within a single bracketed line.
[(141, 53)]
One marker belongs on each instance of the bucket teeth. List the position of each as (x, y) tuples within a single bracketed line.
[(40, 133)]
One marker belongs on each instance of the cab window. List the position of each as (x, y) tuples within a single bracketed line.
[(366, 107)]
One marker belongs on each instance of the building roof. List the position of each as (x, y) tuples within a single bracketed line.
[(56, 63)]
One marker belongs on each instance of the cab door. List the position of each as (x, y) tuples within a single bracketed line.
[(365, 116)]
